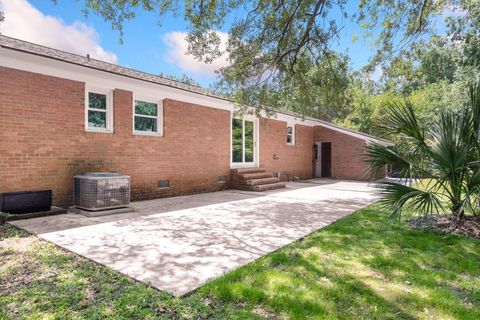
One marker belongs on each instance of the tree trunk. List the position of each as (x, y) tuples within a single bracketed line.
[(458, 211)]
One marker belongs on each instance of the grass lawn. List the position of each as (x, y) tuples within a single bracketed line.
[(359, 267), (41, 281)]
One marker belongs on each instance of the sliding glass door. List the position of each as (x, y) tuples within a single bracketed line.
[(243, 142)]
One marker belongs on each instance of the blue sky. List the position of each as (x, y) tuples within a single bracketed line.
[(146, 45)]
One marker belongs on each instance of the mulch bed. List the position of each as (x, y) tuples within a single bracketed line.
[(469, 226)]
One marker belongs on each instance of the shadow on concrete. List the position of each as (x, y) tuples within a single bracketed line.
[(149, 207), (177, 251)]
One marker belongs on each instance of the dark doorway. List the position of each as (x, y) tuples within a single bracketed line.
[(326, 155)]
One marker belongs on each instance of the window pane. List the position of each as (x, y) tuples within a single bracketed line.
[(145, 124), (289, 138), (237, 140), (97, 119), (97, 101), (248, 141), (289, 130), (145, 108)]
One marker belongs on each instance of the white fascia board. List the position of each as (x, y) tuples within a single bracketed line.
[(278, 115), (352, 133), (382, 142)]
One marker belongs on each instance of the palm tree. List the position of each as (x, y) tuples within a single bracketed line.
[(445, 156)]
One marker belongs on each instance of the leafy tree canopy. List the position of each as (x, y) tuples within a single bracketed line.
[(319, 90), (281, 54), (272, 42)]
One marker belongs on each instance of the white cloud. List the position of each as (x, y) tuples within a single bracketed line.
[(23, 21), (176, 53), (376, 74)]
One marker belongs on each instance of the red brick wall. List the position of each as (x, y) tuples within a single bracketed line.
[(347, 153), (276, 155), (44, 142)]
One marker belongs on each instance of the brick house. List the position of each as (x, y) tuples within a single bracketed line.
[(62, 114)]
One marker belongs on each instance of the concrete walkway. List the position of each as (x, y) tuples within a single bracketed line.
[(178, 244)]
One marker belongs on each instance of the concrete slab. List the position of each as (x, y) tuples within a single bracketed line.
[(142, 208), (100, 213), (21, 216), (177, 246)]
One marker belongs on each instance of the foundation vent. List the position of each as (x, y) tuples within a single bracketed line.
[(163, 184)]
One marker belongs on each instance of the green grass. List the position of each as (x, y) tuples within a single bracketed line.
[(40, 281), (361, 268), (358, 268)]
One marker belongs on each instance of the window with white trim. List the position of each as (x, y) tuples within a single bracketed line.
[(290, 134), (98, 115), (147, 117)]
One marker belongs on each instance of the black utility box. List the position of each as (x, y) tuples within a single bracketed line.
[(26, 201)]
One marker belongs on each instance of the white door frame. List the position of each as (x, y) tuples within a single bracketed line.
[(256, 144), (318, 162)]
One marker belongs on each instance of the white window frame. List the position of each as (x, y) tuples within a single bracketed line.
[(109, 110), (291, 125), (159, 117)]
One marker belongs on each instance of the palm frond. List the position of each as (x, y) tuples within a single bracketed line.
[(408, 166), (448, 154), (449, 145), (398, 197), (475, 109), (400, 119), (472, 191), (475, 115)]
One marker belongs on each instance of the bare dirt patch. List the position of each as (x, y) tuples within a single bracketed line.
[(19, 265), (469, 226)]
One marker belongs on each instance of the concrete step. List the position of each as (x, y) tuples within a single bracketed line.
[(257, 182), (270, 186), (259, 175), (248, 170)]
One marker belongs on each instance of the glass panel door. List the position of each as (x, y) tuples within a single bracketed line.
[(237, 141), (249, 156), (243, 141)]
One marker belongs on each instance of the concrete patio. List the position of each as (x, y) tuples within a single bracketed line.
[(178, 244)]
